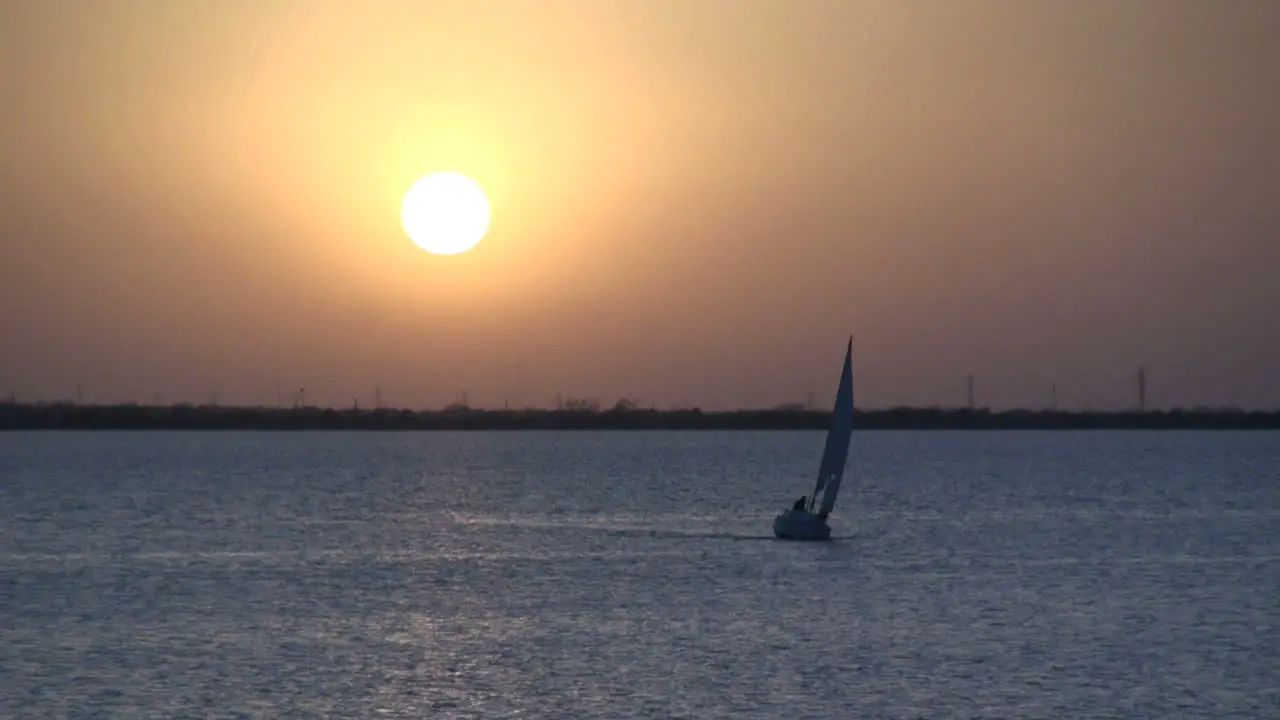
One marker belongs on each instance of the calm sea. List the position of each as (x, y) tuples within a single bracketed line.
[(633, 575)]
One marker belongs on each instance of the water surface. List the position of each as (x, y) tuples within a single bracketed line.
[(628, 575)]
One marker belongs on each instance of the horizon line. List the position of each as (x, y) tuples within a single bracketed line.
[(780, 409)]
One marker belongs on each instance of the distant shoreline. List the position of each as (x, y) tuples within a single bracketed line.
[(66, 416)]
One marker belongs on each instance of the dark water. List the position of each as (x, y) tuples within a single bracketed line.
[(614, 575)]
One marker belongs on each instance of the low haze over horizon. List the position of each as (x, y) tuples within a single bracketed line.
[(693, 203)]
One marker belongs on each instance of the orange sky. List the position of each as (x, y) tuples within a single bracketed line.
[(694, 201)]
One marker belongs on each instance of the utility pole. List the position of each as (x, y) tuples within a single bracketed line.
[(1053, 397), (1142, 388), (969, 388), (278, 405)]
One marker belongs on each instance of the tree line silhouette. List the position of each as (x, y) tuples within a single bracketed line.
[(622, 416)]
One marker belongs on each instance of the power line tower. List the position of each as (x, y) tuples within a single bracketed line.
[(1053, 397), (969, 390), (1142, 388)]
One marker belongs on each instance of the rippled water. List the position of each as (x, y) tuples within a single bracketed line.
[(621, 575)]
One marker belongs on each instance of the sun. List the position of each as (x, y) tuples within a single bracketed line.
[(445, 213)]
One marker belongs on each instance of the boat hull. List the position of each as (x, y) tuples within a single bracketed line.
[(800, 525)]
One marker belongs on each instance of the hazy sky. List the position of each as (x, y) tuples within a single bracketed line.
[(694, 201)]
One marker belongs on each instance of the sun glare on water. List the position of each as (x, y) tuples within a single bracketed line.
[(445, 213)]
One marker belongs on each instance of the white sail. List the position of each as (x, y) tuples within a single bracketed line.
[(836, 452)]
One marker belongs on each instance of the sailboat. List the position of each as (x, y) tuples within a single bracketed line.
[(802, 522)]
